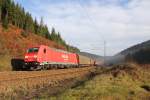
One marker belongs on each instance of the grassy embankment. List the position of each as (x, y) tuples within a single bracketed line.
[(117, 83)]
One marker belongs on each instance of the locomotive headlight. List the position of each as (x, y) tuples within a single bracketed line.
[(26, 57), (35, 56)]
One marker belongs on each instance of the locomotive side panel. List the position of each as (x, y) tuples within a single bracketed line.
[(55, 56), (60, 57), (73, 58)]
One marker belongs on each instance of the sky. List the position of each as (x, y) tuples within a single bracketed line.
[(86, 24)]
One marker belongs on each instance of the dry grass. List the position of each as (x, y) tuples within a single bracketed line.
[(5, 63), (121, 82)]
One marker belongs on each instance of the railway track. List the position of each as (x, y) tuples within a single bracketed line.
[(40, 76), (30, 79)]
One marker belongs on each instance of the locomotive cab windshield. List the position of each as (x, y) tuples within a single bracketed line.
[(32, 50)]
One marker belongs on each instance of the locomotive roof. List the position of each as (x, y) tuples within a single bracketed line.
[(53, 49), (60, 50)]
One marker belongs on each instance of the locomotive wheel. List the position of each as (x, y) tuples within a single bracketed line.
[(37, 68), (32, 69), (44, 67)]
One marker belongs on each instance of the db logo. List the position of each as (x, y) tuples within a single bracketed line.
[(65, 57)]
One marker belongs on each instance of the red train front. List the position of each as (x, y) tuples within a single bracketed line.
[(44, 57)]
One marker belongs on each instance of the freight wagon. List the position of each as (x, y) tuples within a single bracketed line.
[(44, 57), (85, 61)]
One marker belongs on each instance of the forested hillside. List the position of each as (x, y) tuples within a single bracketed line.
[(142, 56), (135, 48), (14, 14), (139, 53)]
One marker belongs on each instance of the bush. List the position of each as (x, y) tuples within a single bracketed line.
[(24, 34)]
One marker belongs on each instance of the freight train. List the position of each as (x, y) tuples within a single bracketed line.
[(43, 57)]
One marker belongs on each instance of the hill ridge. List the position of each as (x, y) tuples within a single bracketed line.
[(135, 48)]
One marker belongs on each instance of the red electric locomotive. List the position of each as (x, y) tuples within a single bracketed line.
[(44, 57)]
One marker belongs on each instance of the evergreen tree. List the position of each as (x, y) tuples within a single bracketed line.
[(4, 10), (46, 32), (28, 26), (36, 26), (0, 9), (41, 27), (53, 34)]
